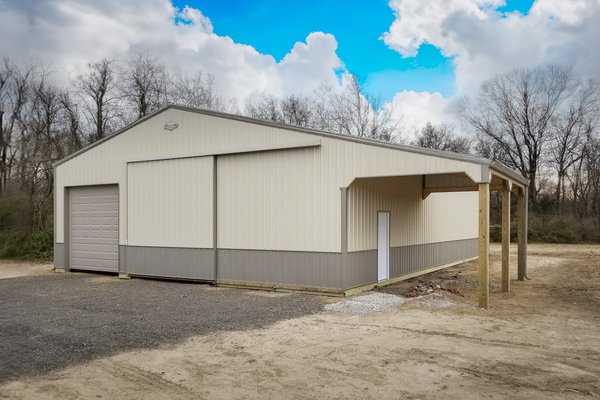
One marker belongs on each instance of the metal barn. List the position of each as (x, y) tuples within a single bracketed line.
[(200, 195)]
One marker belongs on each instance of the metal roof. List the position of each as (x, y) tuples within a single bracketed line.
[(366, 141)]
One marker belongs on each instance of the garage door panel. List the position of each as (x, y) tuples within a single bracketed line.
[(94, 228), (93, 248), (100, 260), (78, 234), (99, 254), (94, 264)]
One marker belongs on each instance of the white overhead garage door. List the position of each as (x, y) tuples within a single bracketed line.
[(94, 228)]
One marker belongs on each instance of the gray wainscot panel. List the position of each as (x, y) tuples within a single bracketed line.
[(360, 268), (167, 262), (310, 269), (409, 259)]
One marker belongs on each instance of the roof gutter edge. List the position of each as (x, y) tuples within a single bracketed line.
[(497, 165)]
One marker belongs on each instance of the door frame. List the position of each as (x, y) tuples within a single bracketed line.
[(389, 219)]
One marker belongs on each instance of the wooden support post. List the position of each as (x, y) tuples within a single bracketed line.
[(522, 235), (506, 240), (484, 245)]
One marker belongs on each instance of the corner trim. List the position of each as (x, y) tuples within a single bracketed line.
[(66, 228), (215, 221), (344, 221)]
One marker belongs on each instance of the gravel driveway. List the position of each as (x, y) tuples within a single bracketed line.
[(55, 320)]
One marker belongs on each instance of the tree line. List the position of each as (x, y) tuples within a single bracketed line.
[(540, 121), (42, 121)]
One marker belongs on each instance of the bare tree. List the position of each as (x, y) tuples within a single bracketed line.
[(572, 127), (348, 111), (592, 166), (265, 107), (384, 125), (442, 137), (322, 118), (100, 97), (71, 122), (352, 111), (515, 110), (145, 83), (15, 88), (46, 109), (195, 90), (6, 76), (581, 180), (296, 110)]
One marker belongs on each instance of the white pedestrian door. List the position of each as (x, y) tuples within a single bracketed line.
[(383, 245)]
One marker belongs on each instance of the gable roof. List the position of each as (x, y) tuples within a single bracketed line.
[(366, 141)]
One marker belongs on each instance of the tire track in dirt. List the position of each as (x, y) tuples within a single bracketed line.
[(518, 376), (494, 342), (150, 381)]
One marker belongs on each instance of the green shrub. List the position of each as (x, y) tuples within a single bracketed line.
[(36, 245), (533, 235), (20, 237), (555, 230)]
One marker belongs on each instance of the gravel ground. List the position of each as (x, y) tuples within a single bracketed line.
[(375, 302), (55, 320), (366, 303)]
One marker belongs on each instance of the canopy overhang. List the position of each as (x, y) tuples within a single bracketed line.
[(494, 177)]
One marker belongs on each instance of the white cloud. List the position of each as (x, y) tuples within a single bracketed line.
[(415, 109), (571, 12), (419, 22), (298, 69), (71, 33), (484, 41)]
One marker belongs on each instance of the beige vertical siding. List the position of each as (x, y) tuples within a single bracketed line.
[(196, 134), (170, 203), (290, 199), (439, 218), (280, 200), (277, 201)]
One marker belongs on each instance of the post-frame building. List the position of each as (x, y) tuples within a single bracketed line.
[(201, 195)]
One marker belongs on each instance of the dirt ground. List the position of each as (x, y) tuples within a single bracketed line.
[(542, 341), (50, 321), (15, 269)]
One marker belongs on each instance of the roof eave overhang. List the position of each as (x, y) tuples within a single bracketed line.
[(492, 165), (508, 172)]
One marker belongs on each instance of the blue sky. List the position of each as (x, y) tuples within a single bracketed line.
[(272, 27)]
